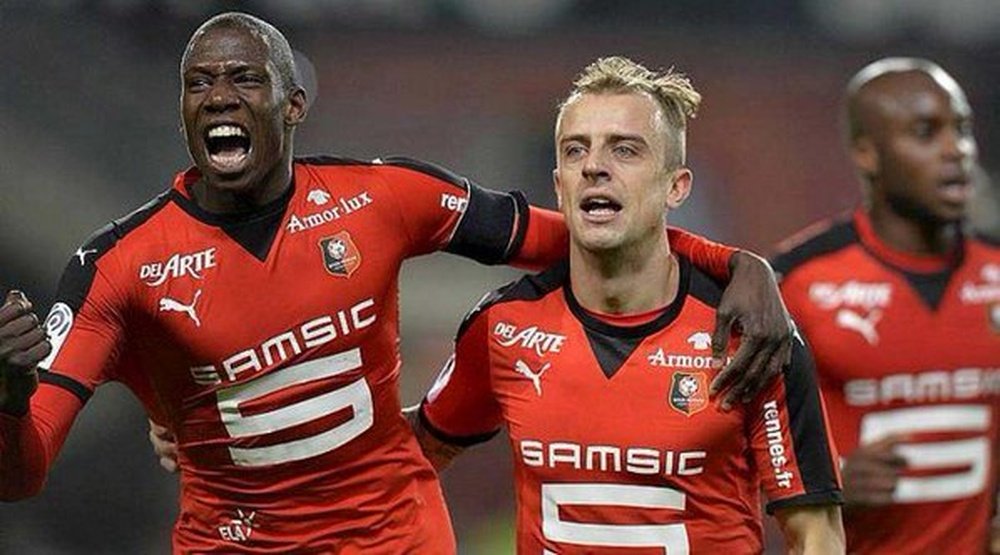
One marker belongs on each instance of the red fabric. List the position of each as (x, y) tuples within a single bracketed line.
[(890, 363), (587, 446), (278, 377)]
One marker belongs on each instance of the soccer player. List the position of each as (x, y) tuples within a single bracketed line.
[(252, 308), (902, 309), (598, 367)]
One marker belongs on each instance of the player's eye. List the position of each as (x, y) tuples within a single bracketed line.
[(249, 80), (924, 129), (197, 84), (573, 151), (625, 150)]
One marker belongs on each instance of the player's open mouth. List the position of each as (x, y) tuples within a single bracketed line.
[(600, 208), (228, 146), (956, 190)]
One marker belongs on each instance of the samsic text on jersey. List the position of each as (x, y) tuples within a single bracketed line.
[(906, 346), (267, 343), (616, 443)]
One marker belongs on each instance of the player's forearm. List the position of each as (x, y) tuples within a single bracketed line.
[(439, 453), (715, 259), (813, 530), (23, 460), (29, 443)]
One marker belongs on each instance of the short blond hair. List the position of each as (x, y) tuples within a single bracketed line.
[(672, 91)]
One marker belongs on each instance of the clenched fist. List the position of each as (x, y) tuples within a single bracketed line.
[(23, 345)]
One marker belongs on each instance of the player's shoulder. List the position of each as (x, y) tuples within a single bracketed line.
[(701, 286), (982, 241), (819, 240), (530, 287), (386, 166), (106, 237)]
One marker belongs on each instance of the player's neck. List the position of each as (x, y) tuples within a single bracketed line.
[(912, 235), (221, 200), (624, 281)]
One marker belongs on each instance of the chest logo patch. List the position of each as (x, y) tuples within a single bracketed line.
[(523, 369), (172, 305), (340, 255), (688, 392)]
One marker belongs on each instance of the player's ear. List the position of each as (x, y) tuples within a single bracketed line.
[(865, 156), (558, 188), (681, 180), (296, 107)]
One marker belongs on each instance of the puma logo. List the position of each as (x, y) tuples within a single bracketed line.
[(536, 377), (82, 254), (170, 305), (851, 320)]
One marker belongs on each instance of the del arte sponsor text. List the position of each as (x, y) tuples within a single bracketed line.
[(178, 265), (530, 337)]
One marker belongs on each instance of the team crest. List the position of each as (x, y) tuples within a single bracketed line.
[(688, 392), (340, 255)]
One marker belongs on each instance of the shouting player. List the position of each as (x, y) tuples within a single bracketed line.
[(252, 308), (902, 310), (599, 367)]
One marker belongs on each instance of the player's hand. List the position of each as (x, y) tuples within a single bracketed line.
[(995, 537), (164, 445), (872, 471), (752, 305), (23, 345)]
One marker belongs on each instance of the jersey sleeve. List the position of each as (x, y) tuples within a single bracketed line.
[(790, 439), (441, 210), (460, 407), (85, 329)]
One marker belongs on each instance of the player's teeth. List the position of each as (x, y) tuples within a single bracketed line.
[(225, 131)]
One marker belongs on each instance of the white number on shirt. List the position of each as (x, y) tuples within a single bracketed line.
[(356, 396), (971, 455), (671, 537)]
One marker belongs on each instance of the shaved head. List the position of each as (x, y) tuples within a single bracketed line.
[(879, 88)]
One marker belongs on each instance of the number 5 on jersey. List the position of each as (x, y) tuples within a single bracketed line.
[(355, 396)]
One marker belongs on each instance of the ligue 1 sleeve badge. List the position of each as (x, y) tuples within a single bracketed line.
[(340, 255), (688, 392)]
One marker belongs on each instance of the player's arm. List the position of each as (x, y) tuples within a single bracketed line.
[(460, 410), (812, 530), (440, 453), (790, 440), (27, 436), (444, 211)]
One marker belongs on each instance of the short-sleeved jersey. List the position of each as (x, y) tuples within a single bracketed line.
[(268, 344), (906, 345), (616, 443)]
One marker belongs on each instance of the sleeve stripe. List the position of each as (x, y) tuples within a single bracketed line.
[(809, 434), (65, 382), (459, 441), (484, 232), (828, 497)]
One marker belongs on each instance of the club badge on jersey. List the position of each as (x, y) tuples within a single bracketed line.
[(340, 255), (688, 392)]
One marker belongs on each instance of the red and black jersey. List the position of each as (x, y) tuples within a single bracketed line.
[(268, 343), (616, 443), (906, 345)]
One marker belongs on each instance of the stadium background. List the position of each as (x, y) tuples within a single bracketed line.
[(89, 130)]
